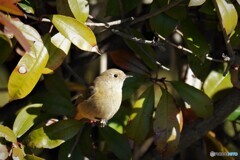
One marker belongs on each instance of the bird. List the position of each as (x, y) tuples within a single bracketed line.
[(102, 100)]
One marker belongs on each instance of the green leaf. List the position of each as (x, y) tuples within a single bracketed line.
[(200, 69), (194, 39), (80, 9), (162, 23), (131, 85), (5, 49), (17, 152), (216, 82), (27, 72), (63, 8), (26, 7), (167, 125), (145, 51), (195, 3), (8, 134), (208, 8), (32, 157), (55, 84), (113, 7), (228, 13), (120, 120), (3, 86), (234, 39), (117, 143), (58, 47), (75, 31), (26, 119), (54, 103), (53, 135), (200, 103), (66, 151), (234, 115), (140, 119)]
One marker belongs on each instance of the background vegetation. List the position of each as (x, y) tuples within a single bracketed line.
[(182, 102)]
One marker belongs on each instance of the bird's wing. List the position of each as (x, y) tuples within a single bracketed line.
[(80, 101)]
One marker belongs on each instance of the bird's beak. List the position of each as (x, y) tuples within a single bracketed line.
[(129, 76)]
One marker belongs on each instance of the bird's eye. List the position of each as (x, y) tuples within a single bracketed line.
[(115, 75)]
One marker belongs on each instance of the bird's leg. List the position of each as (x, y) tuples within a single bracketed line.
[(101, 122)]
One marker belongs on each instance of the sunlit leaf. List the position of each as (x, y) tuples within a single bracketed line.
[(26, 7), (127, 60), (79, 34), (10, 6), (8, 134), (58, 47), (194, 39), (15, 31), (25, 119), (17, 152), (27, 72), (117, 143), (234, 115), (29, 32), (167, 125), (146, 52), (228, 13), (80, 9), (140, 119), (216, 82), (200, 103), (195, 2), (119, 120), (53, 135), (4, 152)]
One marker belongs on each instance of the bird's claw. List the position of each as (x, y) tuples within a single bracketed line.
[(102, 122)]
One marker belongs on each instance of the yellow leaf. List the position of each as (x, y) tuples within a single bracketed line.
[(79, 34), (228, 13), (27, 72)]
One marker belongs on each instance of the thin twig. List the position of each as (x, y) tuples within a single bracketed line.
[(174, 45), (109, 24), (136, 39), (162, 66), (215, 60)]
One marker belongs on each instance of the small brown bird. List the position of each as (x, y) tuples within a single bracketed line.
[(103, 98)]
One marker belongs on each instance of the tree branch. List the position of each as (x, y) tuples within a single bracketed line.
[(198, 129), (136, 39)]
